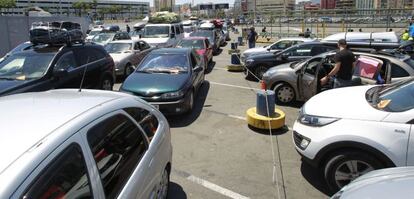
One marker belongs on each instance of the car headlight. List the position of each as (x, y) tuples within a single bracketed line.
[(172, 95), (311, 120), (249, 61)]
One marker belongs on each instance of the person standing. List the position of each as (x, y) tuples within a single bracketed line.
[(128, 29), (264, 31), (344, 64), (411, 29), (252, 37), (307, 33)]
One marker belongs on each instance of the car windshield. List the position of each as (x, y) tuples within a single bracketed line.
[(397, 97), (410, 62), (156, 31), (103, 38), (164, 63), (117, 47), (24, 66), (94, 32), (190, 43), (208, 34)]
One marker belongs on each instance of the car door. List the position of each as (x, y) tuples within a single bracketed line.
[(398, 73), (410, 152), (64, 173), (145, 49), (308, 78), (118, 147), (71, 72), (196, 72), (209, 49), (92, 65), (137, 54)]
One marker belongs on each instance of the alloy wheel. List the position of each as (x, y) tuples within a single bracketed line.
[(350, 170)]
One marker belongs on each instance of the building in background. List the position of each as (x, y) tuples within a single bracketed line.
[(275, 6), (104, 8), (363, 6), (345, 5), (164, 5), (328, 4)]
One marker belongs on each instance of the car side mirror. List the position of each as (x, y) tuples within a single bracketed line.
[(60, 73), (197, 69), (284, 56), (172, 35)]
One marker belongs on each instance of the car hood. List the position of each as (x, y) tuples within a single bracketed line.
[(117, 57), (384, 183), (349, 103), (145, 84), (8, 85), (255, 50), (154, 41)]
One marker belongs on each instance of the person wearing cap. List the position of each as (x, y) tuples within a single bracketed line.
[(252, 37), (344, 64)]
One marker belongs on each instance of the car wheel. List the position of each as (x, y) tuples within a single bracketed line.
[(190, 102), (128, 70), (259, 71), (344, 167), (162, 191), (285, 94), (106, 83)]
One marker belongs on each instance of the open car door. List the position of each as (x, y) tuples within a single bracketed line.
[(308, 78)]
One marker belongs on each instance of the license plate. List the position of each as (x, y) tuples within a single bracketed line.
[(156, 106)]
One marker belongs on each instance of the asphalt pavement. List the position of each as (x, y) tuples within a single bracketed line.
[(216, 155)]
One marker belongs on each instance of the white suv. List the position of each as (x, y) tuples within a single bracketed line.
[(351, 131)]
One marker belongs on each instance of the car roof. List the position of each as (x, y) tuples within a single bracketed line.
[(194, 38), (125, 41), (171, 51), (296, 39), (42, 113)]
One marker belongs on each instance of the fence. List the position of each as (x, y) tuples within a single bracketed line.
[(325, 22), (15, 29)]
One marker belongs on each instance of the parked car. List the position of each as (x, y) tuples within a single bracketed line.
[(379, 40), (301, 80), (226, 33), (212, 38), (127, 54), (94, 144), (347, 132), (278, 46), (112, 28), (168, 78), (40, 68), (201, 45), (137, 31), (104, 38), (18, 48), (380, 184), (259, 64), (92, 33), (163, 35)]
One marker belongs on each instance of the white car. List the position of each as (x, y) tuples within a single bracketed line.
[(162, 35), (348, 132), (82, 144), (92, 33), (127, 54), (279, 45)]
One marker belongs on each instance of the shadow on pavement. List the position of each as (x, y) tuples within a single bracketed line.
[(187, 119), (220, 50), (294, 104), (280, 131), (315, 177), (210, 67), (175, 191)]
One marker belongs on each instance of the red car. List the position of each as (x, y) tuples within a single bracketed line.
[(200, 44)]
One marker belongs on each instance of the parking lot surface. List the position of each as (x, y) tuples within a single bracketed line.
[(216, 155)]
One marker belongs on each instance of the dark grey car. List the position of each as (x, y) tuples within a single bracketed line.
[(301, 80)]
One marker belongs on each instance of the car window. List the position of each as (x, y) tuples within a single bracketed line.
[(67, 61), (296, 42), (316, 50), (65, 177), (312, 66), (193, 60), (301, 51), (397, 97), (117, 145), (397, 71), (177, 30), (137, 46), (282, 45), (143, 45), (145, 119), (207, 44), (172, 30)]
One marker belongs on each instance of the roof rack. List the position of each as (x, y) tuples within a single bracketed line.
[(56, 33)]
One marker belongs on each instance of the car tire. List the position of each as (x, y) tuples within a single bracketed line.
[(248, 75), (128, 70), (162, 192), (259, 71), (190, 104), (350, 164), (106, 83), (285, 94)]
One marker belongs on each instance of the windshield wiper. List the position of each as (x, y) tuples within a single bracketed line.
[(7, 78)]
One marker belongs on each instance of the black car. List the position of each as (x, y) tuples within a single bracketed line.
[(212, 36), (259, 64), (44, 67), (168, 78)]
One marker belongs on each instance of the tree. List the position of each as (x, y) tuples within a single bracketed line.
[(7, 4)]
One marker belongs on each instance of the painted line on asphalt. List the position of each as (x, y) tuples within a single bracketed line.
[(234, 86), (215, 187), (219, 68)]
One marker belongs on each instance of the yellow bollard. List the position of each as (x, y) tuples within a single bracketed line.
[(343, 26), (323, 29)]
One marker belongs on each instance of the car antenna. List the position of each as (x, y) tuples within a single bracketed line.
[(83, 75)]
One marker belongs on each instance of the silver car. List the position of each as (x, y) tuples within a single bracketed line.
[(301, 80), (380, 184), (127, 54), (88, 144)]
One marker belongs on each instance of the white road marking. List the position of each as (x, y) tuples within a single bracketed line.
[(236, 117), (215, 188), (234, 86), (219, 68)]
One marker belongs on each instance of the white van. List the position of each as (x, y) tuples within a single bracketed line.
[(163, 35)]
